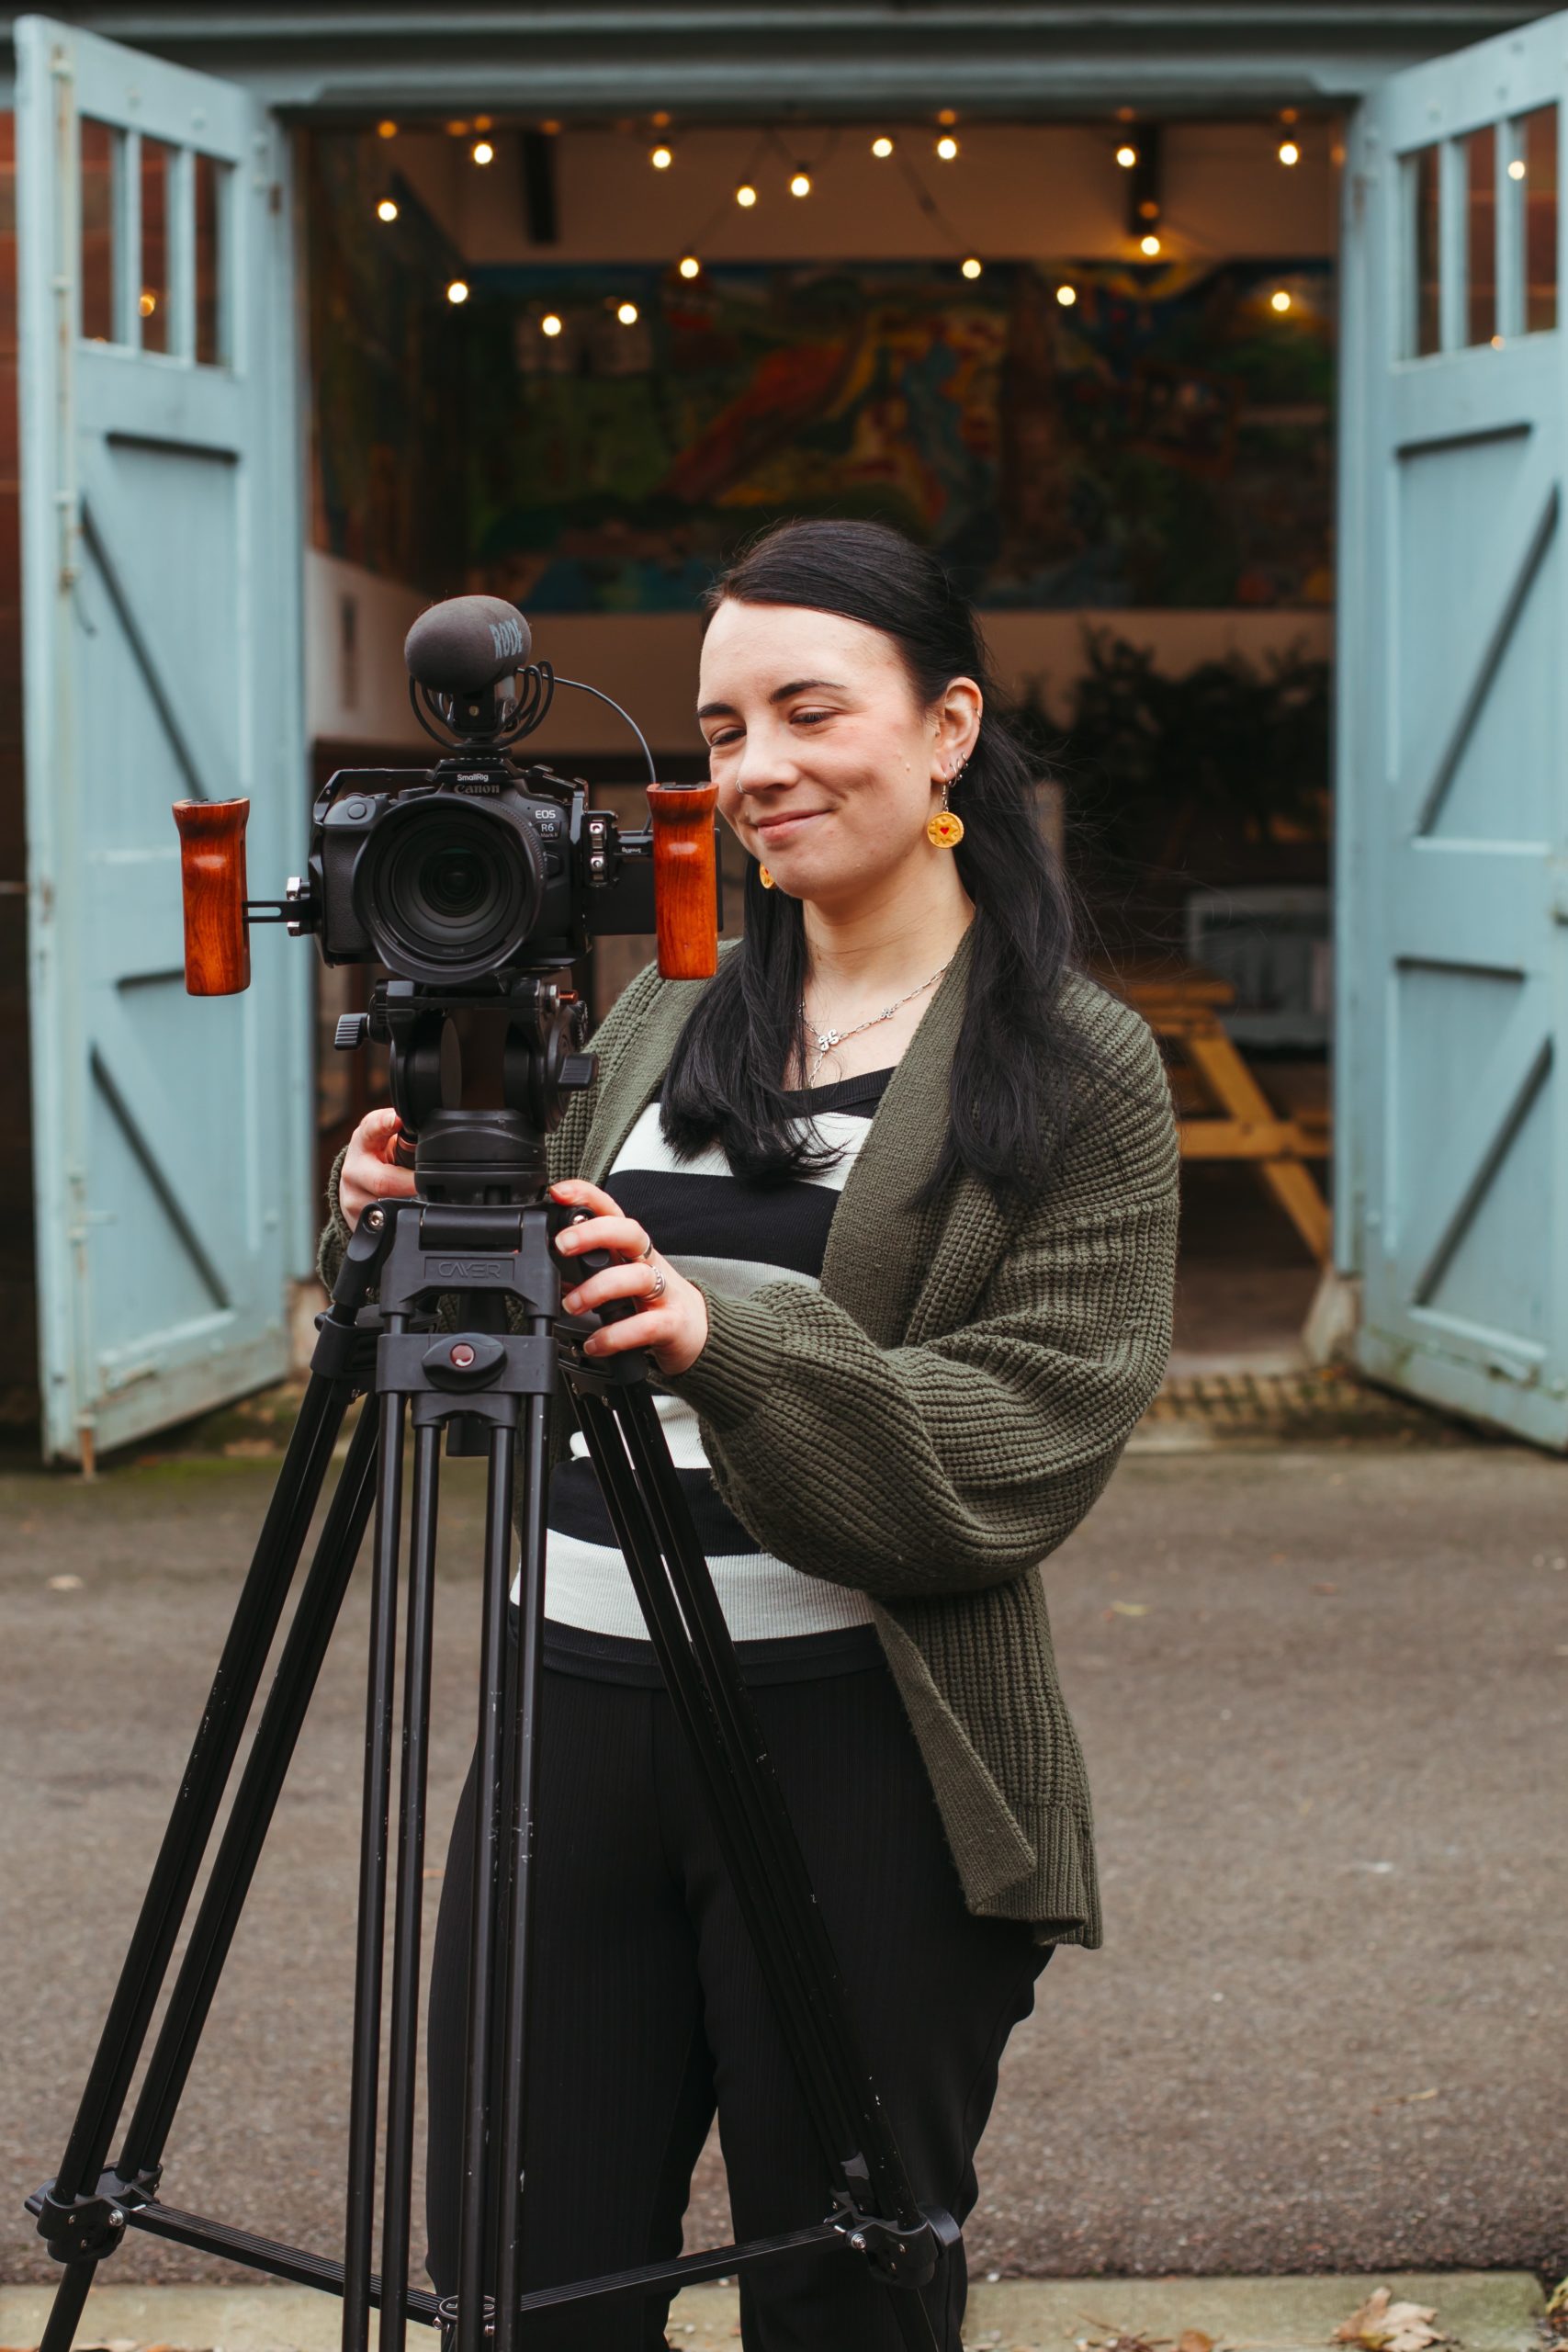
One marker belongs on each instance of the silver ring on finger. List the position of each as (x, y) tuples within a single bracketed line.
[(658, 1287), (647, 1251)]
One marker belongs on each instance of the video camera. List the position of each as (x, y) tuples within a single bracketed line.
[(465, 878)]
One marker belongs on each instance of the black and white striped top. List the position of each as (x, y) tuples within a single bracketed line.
[(732, 1235)]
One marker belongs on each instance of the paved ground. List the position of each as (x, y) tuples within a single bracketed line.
[(1321, 1692)]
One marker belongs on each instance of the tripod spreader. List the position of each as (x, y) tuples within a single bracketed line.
[(484, 1270)]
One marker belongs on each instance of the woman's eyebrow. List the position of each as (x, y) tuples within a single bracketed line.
[(780, 693)]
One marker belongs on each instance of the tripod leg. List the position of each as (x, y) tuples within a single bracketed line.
[(357, 2236), (255, 1801), (473, 2225), (522, 1781), (205, 1774), (403, 2042)]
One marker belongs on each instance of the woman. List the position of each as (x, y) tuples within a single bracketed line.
[(898, 1190)]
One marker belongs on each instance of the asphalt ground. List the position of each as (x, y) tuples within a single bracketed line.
[(1324, 1694)]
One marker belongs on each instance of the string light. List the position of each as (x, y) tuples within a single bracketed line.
[(385, 130), (482, 151), (1516, 168), (971, 266), (387, 210), (947, 149), (147, 302), (800, 184), (482, 122), (1149, 244), (662, 158), (1288, 151), (550, 324), (947, 117), (626, 313), (1127, 157), (661, 120), (1067, 295), (457, 291), (690, 266), (1280, 301), (458, 130), (882, 147), (745, 195)]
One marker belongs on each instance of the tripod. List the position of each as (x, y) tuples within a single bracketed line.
[(480, 1231)]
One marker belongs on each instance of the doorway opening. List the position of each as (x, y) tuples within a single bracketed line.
[(1092, 362)]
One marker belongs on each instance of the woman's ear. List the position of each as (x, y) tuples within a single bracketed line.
[(958, 716)]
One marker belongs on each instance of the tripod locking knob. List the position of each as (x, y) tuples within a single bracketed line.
[(353, 1028)]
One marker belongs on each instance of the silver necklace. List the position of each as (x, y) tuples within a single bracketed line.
[(826, 1039)]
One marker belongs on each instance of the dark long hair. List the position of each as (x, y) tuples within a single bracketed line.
[(1017, 1065)]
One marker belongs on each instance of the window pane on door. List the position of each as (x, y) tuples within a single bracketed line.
[(100, 184), (1425, 311), (1481, 235), (154, 296), (1536, 150), (211, 267)]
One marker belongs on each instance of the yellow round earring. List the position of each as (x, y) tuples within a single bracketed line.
[(763, 877), (943, 829)]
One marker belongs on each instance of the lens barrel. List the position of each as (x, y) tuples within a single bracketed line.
[(449, 889)]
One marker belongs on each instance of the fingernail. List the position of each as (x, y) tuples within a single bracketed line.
[(573, 1301)]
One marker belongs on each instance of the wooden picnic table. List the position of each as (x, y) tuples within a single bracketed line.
[(1222, 1111)]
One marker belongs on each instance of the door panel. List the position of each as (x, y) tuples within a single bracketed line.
[(1454, 784), (161, 559)]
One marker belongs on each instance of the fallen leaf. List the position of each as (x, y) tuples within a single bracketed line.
[(1382, 2325), (68, 1584), (1192, 2339), (1409, 2099), (1128, 1609)]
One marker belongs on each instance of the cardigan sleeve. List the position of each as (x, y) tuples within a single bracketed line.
[(959, 1462)]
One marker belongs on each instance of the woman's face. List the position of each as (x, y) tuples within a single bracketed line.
[(828, 767)]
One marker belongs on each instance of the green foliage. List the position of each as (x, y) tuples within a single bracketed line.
[(1148, 761)]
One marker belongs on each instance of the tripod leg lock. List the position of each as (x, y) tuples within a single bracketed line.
[(85, 2229), (896, 2255)]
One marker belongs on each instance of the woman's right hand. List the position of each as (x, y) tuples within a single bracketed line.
[(368, 1172)]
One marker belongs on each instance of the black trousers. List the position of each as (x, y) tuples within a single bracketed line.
[(650, 2012)]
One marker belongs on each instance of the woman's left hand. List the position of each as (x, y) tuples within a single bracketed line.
[(673, 1328)]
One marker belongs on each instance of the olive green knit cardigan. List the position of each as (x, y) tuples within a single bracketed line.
[(942, 1413)]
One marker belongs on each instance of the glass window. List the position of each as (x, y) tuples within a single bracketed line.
[(1481, 235), (101, 149), (1425, 309), (154, 300), (211, 179), (1535, 162)]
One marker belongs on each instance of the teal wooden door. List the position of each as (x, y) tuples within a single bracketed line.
[(161, 540), (1452, 876)]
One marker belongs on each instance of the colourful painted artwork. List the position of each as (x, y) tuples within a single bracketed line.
[(1165, 439)]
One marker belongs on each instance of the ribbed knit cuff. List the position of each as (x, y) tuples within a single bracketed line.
[(737, 1365)]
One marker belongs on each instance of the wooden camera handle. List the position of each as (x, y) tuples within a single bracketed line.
[(212, 877), (684, 884)]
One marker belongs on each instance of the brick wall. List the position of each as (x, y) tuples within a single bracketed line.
[(19, 1338)]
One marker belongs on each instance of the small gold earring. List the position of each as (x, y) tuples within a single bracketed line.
[(943, 829), (765, 878)]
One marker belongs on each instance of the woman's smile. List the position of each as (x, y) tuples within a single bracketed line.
[(784, 822)]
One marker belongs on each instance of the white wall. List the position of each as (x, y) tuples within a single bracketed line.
[(649, 660)]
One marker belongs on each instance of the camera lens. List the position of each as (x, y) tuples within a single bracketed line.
[(450, 888)]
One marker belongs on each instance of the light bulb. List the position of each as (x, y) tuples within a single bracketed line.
[(1149, 244), (1288, 151), (745, 195), (458, 290), (147, 302), (882, 147), (387, 210), (690, 265), (662, 158), (626, 313), (385, 130), (1280, 301), (1516, 168), (1067, 295), (971, 266), (482, 151), (550, 324), (1127, 157), (947, 149), (947, 117), (800, 184)]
